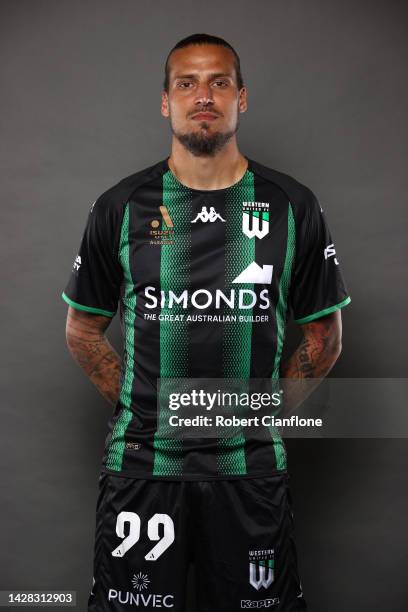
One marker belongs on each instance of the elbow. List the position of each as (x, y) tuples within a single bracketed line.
[(73, 333), (69, 332), (69, 339), (333, 349), (336, 350)]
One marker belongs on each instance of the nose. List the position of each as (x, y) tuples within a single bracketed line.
[(204, 94)]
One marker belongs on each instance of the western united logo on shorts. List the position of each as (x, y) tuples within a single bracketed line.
[(255, 219), (261, 568)]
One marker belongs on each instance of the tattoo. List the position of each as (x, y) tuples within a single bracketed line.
[(304, 360), (313, 359), (317, 353), (92, 351)]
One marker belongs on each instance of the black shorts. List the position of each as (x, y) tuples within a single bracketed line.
[(238, 534)]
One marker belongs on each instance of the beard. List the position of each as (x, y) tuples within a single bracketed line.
[(203, 143)]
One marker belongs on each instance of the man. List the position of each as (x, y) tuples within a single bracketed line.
[(188, 247)]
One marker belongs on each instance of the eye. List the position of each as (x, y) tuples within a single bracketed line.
[(220, 83), (184, 84)]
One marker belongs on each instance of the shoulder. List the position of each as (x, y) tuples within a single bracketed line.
[(302, 199), (114, 199)]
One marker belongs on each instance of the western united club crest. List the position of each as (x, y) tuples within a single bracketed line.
[(255, 219), (261, 568)]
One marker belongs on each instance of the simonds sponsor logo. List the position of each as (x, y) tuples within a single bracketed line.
[(203, 298)]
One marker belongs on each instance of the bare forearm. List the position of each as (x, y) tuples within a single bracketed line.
[(312, 359), (310, 363), (96, 356)]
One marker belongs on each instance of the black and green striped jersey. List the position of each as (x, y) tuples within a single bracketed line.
[(205, 282)]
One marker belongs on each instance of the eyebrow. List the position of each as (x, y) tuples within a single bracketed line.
[(214, 75)]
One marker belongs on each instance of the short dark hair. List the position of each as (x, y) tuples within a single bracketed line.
[(203, 39)]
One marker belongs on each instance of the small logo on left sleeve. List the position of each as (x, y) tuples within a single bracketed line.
[(77, 263), (330, 251)]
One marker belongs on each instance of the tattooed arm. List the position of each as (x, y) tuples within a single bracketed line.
[(313, 359), (88, 345)]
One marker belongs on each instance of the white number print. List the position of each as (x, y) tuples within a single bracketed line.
[(134, 522), (134, 532), (153, 533)]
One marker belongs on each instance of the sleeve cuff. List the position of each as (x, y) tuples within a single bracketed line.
[(100, 311), (325, 311)]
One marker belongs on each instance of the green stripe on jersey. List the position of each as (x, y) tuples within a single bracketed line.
[(174, 336), (237, 337), (284, 284), (281, 308), (117, 442)]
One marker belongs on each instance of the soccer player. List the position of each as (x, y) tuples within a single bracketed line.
[(207, 252)]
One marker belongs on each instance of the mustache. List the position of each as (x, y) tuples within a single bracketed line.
[(205, 109)]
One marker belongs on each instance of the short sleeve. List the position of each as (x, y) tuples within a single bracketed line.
[(318, 287), (95, 280)]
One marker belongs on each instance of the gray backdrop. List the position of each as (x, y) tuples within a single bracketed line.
[(80, 99)]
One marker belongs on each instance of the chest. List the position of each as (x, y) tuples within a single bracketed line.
[(197, 240)]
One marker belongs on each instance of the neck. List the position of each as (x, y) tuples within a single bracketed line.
[(222, 170)]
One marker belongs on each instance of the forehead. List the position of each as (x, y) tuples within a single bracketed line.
[(201, 59)]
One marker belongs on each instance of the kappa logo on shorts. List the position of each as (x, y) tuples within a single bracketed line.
[(261, 568), (260, 603)]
